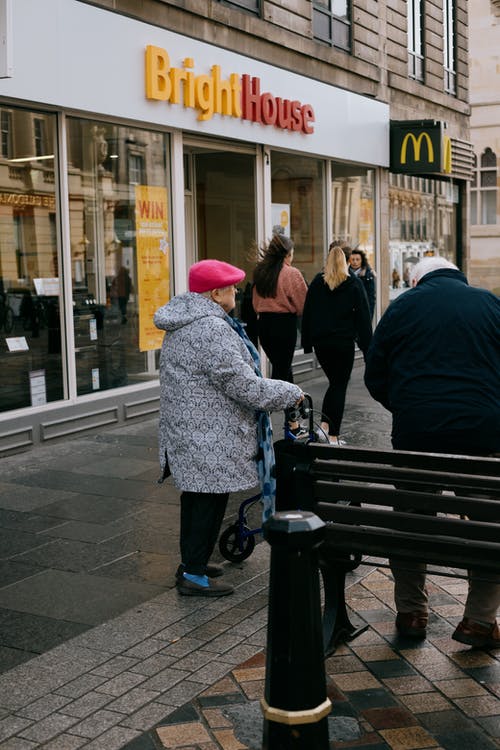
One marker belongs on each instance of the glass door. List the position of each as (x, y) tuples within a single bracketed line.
[(220, 207)]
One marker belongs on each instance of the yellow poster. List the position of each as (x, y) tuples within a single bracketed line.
[(153, 277), (365, 235)]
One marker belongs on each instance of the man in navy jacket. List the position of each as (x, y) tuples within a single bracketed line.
[(434, 362)]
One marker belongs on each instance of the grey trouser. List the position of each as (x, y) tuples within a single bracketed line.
[(410, 593)]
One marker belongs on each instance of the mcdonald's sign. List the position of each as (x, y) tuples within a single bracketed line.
[(420, 147)]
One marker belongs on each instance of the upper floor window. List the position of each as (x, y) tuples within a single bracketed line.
[(6, 134), (39, 136), (484, 189), (415, 40), (450, 73), (135, 169), (332, 23), (251, 5)]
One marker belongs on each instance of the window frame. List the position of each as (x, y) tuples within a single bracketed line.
[(415, 34), (487, 163), (6, 134), (334, 22), (254, 7), (449, 47)]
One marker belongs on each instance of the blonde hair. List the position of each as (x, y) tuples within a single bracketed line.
[(335, 272)]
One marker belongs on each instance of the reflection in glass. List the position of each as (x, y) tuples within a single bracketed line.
[(422, 223), (297, 199), (220, 210), (31, 372), (109, 167), (353, 215)]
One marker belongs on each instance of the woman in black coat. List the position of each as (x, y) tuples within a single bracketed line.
[(359, 264), (336, 315)]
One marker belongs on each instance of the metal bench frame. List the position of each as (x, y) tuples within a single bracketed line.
[(412, 507)]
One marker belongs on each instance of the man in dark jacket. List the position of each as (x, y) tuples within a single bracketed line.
[(434, 362)]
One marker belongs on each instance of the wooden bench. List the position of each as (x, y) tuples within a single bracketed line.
[(355, 491)]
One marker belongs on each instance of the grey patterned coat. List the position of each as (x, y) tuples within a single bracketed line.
[(209, 393)]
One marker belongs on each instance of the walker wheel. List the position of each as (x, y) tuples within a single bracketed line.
[(230, 547)]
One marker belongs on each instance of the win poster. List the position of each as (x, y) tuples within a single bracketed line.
[(153, 273)]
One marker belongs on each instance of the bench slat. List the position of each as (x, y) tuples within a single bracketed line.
[(482, 465), (422, 524), (406, 546), (333, 470), (479, 507)]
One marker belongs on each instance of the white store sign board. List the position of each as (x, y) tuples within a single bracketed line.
[(78, 57)]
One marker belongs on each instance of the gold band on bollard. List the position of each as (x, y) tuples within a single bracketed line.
[(308, 716)]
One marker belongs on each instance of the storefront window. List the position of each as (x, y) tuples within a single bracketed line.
[(423, 223), (120, 250), (353, 214), (297, 208), (31, 371)]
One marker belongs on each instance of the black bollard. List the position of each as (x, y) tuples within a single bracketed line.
[(295, 705)]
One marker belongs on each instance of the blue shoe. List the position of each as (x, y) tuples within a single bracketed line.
[(212, 571), (214, 588)]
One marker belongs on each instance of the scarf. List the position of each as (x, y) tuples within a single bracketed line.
[(265, 453)]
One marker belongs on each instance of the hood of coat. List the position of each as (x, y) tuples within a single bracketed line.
[(184, 309)]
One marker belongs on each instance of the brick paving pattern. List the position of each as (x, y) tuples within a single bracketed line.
[(98, 651), (388, 692)]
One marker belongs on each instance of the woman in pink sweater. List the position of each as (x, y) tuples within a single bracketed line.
[(278, 299)]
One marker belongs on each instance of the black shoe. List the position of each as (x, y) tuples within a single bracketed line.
[(479, 636), (412, 624), (212, 571), (214, 588)]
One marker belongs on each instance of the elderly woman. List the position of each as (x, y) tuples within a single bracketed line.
[(213, 399)]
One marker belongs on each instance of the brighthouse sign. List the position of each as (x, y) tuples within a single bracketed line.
[(235, 95), (420, 147)]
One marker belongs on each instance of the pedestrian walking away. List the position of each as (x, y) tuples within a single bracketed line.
[(336, 315), (213, 399), (278, 299), (434, 363)]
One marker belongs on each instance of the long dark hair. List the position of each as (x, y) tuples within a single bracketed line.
[(271, 261)]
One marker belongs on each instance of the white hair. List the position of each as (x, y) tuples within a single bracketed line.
[(427, 265)]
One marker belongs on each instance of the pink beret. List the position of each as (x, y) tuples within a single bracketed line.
[(213, 274)]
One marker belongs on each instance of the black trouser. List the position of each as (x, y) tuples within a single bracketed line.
[(337, 365), (278, 336), (202, 514)]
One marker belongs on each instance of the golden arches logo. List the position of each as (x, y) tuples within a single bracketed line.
[(447, 154), (417, 145)]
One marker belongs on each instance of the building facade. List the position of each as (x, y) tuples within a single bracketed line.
[(137, 138), (484, 40)]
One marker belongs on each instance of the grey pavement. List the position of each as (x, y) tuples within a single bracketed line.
[(96, 646)]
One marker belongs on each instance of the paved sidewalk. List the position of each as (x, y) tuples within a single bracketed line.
[(98, 651)]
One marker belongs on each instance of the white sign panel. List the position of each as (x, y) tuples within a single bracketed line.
[(38, 388), (48, 287), (60, 69), (17, 344), (6, 46), (280, 218)]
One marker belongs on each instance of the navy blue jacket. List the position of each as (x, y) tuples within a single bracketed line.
[(434, 362)]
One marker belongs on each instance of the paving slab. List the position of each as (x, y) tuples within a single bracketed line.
[(94, 547)]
